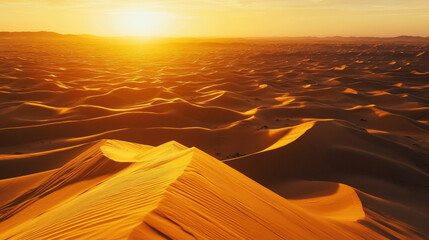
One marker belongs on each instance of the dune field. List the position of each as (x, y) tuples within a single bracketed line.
[(113, 138)]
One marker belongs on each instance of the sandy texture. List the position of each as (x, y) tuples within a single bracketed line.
[(287, 140)]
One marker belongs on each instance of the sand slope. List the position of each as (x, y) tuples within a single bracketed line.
[(118, 190)]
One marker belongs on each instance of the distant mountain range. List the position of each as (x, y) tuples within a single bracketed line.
[(41, 34), (362, 39)]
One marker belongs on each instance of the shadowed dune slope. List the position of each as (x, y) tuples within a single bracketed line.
[(385, 172), (118, 190)]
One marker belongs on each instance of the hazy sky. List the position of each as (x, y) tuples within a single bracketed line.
[(227, 18)]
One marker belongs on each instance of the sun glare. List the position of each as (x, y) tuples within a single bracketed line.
[(139, 23)]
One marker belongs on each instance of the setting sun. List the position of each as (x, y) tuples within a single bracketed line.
[(223, 18), (140, 23)]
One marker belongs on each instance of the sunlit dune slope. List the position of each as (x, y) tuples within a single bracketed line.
[(119, 190)]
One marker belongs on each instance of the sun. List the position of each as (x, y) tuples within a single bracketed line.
[(141, 23)]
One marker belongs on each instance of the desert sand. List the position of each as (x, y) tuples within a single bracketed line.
[(110, 138)]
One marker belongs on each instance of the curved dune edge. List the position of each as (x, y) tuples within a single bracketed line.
[(330, 200), (120, 190), (325, 148)]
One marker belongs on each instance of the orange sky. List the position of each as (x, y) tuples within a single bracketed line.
[(218, 18)]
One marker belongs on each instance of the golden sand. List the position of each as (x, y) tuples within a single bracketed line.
[(240, 139)]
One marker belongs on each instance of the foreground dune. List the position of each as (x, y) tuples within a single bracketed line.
[(118, 190), (295, 140)]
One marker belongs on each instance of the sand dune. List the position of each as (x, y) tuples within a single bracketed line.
[(288, 140), (122, 190)]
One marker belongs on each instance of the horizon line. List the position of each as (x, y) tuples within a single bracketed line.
[(208, 37)]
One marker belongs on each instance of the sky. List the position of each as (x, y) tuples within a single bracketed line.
[(218, 18)]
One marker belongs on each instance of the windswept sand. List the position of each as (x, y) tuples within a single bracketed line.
[(120, 190), (281, 140)]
